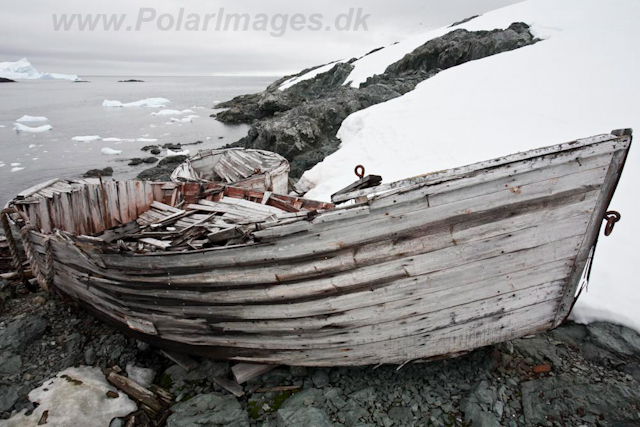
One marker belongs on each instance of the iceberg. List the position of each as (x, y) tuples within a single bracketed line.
[(23, 69), (177, 153), (22, 128), (32, 119), (149, 102)]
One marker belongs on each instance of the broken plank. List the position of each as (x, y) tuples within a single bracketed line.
[(184, 360), (232, 387), (243, 372)]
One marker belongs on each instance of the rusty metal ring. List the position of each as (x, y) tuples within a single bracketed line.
[(361, 173), (612, 217)]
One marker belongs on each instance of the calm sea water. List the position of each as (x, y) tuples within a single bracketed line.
[(75, 109)]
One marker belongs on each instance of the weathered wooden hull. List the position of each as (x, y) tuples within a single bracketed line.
[(245, 168), (439, 265)]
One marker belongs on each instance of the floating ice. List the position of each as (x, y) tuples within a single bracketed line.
[(110, 151), (16, 164), (16, 169), (171, 112), (146, 140), (32, 119), (23, 69), (22, 128), (185, 120), (86, 138), (111, 139), (177, 153), (149, 102)]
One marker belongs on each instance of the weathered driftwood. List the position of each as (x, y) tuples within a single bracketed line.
[(243, 372), (431, 266), (245, 168)]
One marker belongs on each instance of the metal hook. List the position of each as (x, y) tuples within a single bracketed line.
[(612, 217), (359, 174)]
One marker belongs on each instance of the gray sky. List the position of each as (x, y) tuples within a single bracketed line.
[(26, 30)]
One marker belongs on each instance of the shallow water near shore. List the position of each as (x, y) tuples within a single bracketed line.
[(75, 109)]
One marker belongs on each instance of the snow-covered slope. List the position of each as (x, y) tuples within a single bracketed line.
[(581, 80), (23, 69)]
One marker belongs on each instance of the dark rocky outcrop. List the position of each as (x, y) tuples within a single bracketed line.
[(162, 171), (95, 173), (5, 80), (301, 122), (131, 81)]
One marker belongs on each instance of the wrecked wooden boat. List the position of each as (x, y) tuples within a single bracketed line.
[(244, 168), (427, 267)]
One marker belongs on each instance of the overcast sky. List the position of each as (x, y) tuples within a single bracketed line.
[(27, 30)]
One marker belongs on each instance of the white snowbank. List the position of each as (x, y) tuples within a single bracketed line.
[(75, 397), (171, 112), (86, 138), (110, 151), (32, 119), (565, 87), (311, 74), (22, 128), (149, 102), (177, 153), (23, 69)]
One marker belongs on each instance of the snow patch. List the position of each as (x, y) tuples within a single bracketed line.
[(75, 397), (311, 74), (22, 128)]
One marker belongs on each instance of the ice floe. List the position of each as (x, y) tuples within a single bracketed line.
[(147, 140), (149, 102), (177, 153), (32, 119), (171, 112), (86, 138), (22, 128), (110, 151)]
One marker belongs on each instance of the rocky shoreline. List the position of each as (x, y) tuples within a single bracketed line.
[(573, 376), (301, 122)]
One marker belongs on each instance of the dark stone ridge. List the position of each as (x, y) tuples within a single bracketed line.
[(162, 171), (131, 81), (301, 122), (95, 173), (464, 21), (5, 80)]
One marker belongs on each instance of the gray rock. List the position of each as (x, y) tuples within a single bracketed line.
[(143, 376), (209, 410), (308, 397), (90, 356), (117, 422), (565, 396), (8, 397), (298, 371), (401, 414), (540, 350), (22, 332), (320, 378), (10, 363), (306, 417), (155, 151), (162, 171), (95, 173), (150, 159), (135, 161), (616, 339)]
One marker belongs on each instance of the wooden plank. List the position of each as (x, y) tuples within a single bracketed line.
[(243, 372), (366, 182), (33, 190), (232, 387), (135, 391), (184, 360), (155, 242), (123, 205)]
